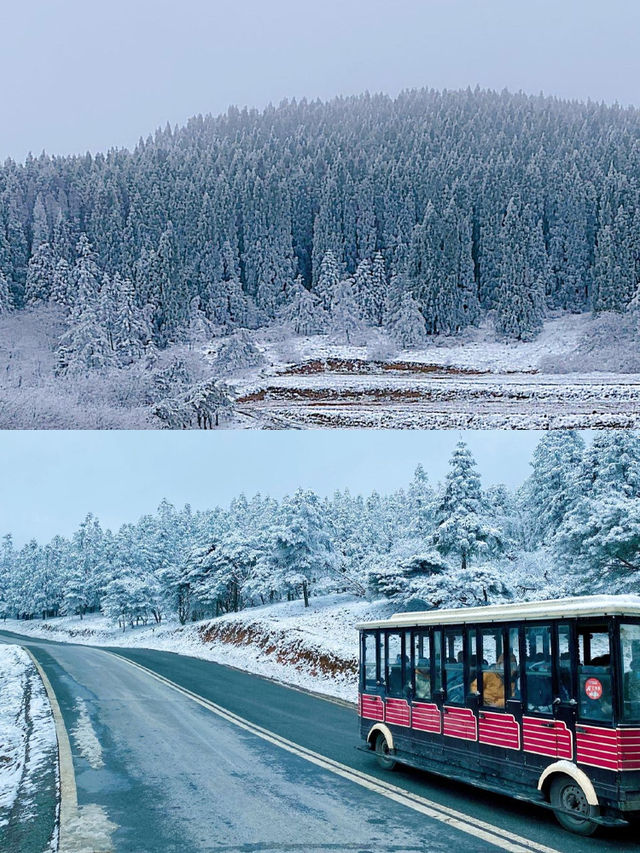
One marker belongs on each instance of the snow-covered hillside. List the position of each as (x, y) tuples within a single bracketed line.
[(315, 648)]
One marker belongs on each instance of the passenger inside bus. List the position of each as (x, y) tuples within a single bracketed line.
[(538, 669), (423, 679), (493, 693)]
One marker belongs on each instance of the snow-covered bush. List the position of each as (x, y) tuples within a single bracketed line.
[(235, 353)]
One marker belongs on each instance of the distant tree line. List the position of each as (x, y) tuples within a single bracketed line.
[(573, 527), (420, 214)]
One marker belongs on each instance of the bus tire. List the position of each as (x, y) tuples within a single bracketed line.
[(567, 794), (382, 753)]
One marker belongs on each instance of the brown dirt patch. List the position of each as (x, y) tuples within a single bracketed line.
[(286, 650)]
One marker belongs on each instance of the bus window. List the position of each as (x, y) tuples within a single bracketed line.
[(630, 645), (492, 669), (514, 664), (394, 664), (538, 668), (472, 655), (595, 700), (565, 685), (437, 662), (422, 665), (370, 663), (454, 666)]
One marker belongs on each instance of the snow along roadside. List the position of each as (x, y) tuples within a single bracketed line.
[(28, 743), (314, 648)]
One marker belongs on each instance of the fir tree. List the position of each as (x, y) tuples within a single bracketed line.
[(6, 303), (40, 275), (461, 524), (407, 324)]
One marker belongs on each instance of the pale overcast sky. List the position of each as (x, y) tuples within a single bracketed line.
[(80, 76), (52, 479)]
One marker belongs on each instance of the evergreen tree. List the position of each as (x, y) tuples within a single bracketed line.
[(304, 312), (85, 345), (131, 332), (40, 275), (60, 284), (40, 228), (521, 292), (462, 527), (407, 324), (6, 303), (328, 278), (550, 491), (346, 320), (301, 551)]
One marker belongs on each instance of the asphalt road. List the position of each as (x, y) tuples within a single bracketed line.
[(158, 769)]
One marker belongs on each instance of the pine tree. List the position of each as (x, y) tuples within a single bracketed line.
[(346, 320), (461, 524), (6, 303), (40, 275), (328, 278), (375, 301), (521, 291), (131, 332), (60, 285), (550, 491), (304, 313), (407, 324), (40, 227), (85, 345), (301, 551)]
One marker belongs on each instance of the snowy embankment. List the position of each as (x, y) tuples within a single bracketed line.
[(314, 648), (28, 745)]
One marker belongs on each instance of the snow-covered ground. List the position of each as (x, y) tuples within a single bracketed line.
[(28, 745), (315, 648), (576, 373), (475, 349), (467, 381)]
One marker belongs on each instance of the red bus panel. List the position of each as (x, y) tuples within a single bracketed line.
[(629, 749), (499, 730), (397, 712), (597, 746), (372, 707), (546, 737), (426, 717), (460, 723)]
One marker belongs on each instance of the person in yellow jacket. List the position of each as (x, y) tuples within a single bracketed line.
[(492, 685)]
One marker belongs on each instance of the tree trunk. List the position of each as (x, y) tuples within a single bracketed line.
[(305, 593)]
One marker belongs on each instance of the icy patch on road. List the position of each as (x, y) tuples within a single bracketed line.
[(85, 737), (88, 831)]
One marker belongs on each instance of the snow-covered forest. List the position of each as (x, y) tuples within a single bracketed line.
[(572, 527), (420, 214)]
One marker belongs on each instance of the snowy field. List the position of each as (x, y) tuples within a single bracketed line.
[(28, 745), (314, 648), (466, 381)]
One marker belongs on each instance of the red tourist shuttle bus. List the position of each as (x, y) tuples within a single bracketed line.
[(539, 700)]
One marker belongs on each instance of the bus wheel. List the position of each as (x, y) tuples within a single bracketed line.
[(567, 795), (382, 753)]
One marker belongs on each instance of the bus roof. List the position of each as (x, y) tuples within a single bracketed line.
[(558, 608)]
